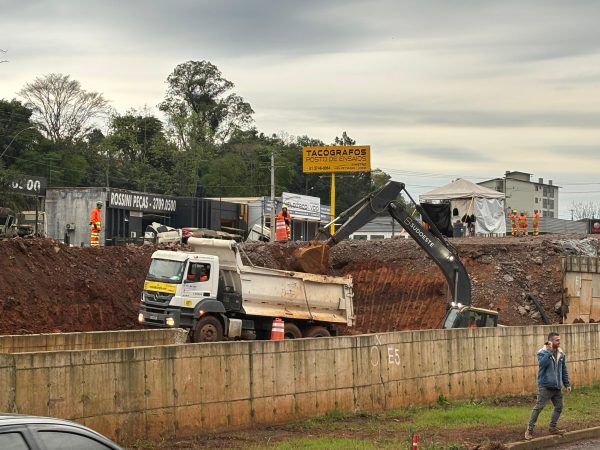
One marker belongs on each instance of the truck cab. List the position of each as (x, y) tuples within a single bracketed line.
[(176, 287)]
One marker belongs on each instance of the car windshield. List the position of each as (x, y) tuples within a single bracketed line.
[(166, 270)]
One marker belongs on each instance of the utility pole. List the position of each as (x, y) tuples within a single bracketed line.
[(272, 195), (505, 208)]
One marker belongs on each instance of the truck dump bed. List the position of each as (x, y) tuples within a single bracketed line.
[(281, 293)]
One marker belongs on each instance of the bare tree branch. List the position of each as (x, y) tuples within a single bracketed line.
[(585, 210), (61, 107)]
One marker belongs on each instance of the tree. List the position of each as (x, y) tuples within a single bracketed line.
[(61, 107), (200, 106), (17, 132), (585, 210)]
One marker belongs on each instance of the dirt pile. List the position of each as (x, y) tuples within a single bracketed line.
[(398, 287), (48, 287)]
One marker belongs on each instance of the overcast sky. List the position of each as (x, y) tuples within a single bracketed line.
[(439, 89)]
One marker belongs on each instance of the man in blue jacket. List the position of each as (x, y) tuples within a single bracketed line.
[(552, 377)]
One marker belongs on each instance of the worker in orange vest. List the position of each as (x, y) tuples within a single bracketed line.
[(287, 218), (536, 222), (523, 224), (513, 222), (96, 224)]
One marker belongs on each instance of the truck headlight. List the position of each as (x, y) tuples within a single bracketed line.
[(141, 318), (170, 322)]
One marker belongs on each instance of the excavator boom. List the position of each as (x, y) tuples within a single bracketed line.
[(314, 258)]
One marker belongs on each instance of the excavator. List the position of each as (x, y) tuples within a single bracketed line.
[(460, 313)]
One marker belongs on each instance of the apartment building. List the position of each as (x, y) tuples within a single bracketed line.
[(523, 194)]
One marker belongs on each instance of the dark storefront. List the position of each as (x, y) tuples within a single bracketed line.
[(128, 214), (208, 213)]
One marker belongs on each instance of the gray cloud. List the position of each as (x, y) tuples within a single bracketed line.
[(433, 78), (589, 151), (401, 116), (454, 154), (509, 30)]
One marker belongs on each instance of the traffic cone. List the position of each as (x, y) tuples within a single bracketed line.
[(277, 331), (415, 441)]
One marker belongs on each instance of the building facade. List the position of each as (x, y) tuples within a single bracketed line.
[(381, 227), (126, 214), (526, 195)]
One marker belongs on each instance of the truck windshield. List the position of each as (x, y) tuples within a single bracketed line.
[(166, 270)]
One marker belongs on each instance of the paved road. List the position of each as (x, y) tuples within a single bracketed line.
[(587, 444)]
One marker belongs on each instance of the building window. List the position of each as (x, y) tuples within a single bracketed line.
[(545, 191), (545, 203), (377, 237), (360, 237), (550, 204), (537, 188), (536, 199), (551, 193)]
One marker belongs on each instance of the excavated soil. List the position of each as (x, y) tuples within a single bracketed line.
[(48, 287), (397, 287)]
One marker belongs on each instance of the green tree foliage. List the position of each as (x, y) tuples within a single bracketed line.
[(206, 147), (201, 107), (134, 155), (18, 137)]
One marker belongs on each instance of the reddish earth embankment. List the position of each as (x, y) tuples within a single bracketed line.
[(398, 287), (47, 287)]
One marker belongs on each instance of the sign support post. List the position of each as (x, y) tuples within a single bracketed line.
[(332, 195)]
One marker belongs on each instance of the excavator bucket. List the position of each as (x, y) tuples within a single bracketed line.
[(312, 259)]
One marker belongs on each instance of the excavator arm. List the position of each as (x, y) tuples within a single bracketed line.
[(430, 240), (460, 314)]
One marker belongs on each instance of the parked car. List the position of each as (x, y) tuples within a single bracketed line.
[(157, 233), (21, 432)]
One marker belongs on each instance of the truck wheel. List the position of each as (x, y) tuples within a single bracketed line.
[(208, 329), (316, 331), (291, 331)]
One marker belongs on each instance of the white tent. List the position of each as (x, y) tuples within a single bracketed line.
[(469, 198)]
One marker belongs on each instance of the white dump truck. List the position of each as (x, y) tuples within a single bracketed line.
[(211, 292)]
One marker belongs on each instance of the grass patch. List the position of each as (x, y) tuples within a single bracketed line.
[(446, 425), (359, 444), (581, 404)]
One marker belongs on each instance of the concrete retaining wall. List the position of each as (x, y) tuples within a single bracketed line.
[(91, 340), (186, 389), (582, 288)]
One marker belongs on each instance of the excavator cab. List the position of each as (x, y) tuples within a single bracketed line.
[(459, 316)]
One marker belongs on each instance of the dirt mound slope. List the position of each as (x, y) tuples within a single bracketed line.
[(48, 287), (398, 287)]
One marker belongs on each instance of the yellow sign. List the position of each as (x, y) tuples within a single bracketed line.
[(157, 286), (336, 158)]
